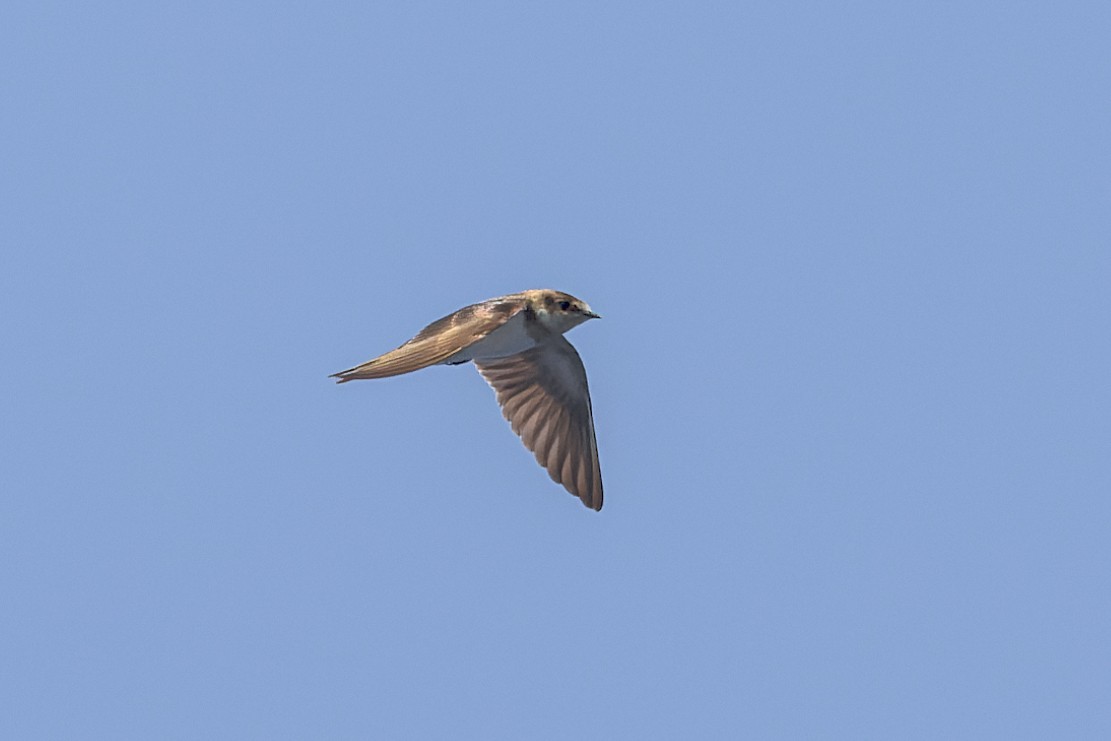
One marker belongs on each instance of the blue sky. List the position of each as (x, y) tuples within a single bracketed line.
[(851, 387)]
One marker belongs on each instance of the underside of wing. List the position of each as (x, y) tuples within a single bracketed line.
[(436, 343), (544, 395)]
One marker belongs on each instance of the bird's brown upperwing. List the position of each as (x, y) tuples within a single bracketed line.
[(437, 342), (544, 395)]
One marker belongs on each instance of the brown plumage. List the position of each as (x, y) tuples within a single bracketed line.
[(517, 344)]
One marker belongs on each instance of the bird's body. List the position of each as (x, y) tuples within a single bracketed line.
[(517, 344)]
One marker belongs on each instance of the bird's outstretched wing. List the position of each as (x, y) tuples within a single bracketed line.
[(544, 395), (437, 342)]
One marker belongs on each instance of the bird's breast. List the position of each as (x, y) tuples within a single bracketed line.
[(508, 339)]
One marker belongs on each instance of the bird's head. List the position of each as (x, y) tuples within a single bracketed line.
[(561, 311)]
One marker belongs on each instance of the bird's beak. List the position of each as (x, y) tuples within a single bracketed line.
[(592, 315)]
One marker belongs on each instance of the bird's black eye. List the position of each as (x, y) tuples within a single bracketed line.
[(565, 305)]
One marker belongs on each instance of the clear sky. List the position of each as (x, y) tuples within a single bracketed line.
[(851, 386)]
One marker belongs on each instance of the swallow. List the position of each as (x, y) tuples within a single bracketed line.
[(517, 344)]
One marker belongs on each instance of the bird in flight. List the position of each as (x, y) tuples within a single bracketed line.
[(517, 344)]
